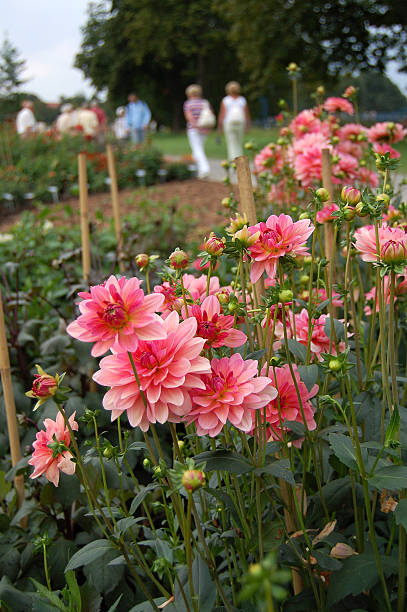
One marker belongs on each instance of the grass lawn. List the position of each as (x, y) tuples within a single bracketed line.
[(177, 144), (215, 147)]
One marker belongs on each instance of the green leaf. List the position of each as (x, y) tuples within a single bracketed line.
[(126, 523), (359, 573), (113, 607), (89, 553), (392, 477), (343, 449), (297, 349), (5, 486), (224, 461), (140, 497), (49, 596), (279, 469), (74, 589), (226, 500), (160, 547), (137, 446), (400, 513), (308, 374), (393, 426), (296, 427)]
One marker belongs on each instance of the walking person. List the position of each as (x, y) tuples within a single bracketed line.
[(138, 116), (193, 107), (234, 118), (25, 121)]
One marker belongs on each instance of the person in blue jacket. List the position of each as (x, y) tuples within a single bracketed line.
[(137, 117)]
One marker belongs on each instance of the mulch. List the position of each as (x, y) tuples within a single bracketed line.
[(203, 197)]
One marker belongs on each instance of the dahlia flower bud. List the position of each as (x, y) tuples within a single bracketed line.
[(350, 195), (349, 92), (320, 90), (142, 260), (349, 213), (236, 223), (285, 296), (245, 237), (361, 210), (323, 194), (214, 246), (292, 67), (178, 259), (342, 551), (394, 252), (384, 198), (335, 365), (223, 297), (44, 386), (193, 480), (226, 202), (224, 163)]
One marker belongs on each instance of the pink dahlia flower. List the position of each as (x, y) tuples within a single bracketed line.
[(391, 239), (45, 446), (232, 391), (117, 315), (171, 301), (387, 131), (368, 177), (383, 148), (216, 328), (167, 370), (346, 168), (332, 105), (352, 132), (196, 287), (279, 236), (305, 122), (285, 406), (325, 214), (319, 340)]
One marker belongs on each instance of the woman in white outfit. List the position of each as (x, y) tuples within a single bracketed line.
[(234, 117), (193, 107)]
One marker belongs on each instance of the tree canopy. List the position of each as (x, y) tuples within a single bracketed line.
[(11, 69), (157, 49)]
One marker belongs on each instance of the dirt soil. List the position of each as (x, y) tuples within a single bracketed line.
[(204, 197)]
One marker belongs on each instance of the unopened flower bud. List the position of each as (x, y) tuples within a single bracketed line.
[(285, 296), (248, 145), (350, 195), (342, 551), (304, 215), (193, 480), (335, 365), (245, 237), (226, 202), (349, 92), (178, 259), (323, 194), (225, 163), (255, 570), (142, 260), (108, 452), (383, 198), (292, 67), (348, 213), (147, 463), (236, 223), (214, 246), (44, 386), (360, 210), (223, 297), (304, 279), (320, 90), (394, 252)]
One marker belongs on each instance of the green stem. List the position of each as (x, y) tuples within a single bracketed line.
[(44, 554)]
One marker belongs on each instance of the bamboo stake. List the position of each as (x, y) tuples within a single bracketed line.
[(114, 192), (84, 214), (327, 183), (247, 205), (12, 426)]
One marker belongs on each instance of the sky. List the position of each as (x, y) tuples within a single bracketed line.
[(47, 35)]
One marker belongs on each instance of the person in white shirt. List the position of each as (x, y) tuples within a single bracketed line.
[(64, 122), (234, 118), (25, 121), (120, 129), (87, 120)]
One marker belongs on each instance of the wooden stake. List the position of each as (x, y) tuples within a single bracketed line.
[(12, 426), (327, 183), (83, 203), (244, 181), (114, 192)]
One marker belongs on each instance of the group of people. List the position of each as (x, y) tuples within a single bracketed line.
[(133, 120), (233, 119)]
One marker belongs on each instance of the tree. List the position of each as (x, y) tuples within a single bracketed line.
[(324, 38), (11, 69), (157, 49)]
